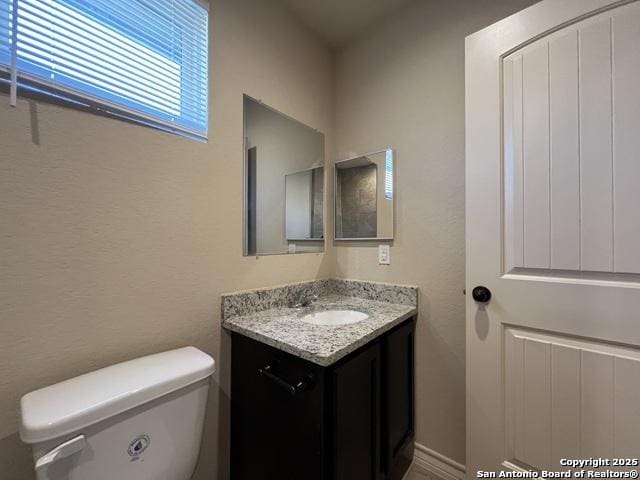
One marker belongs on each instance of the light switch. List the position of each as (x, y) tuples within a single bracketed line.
[(384, 255)]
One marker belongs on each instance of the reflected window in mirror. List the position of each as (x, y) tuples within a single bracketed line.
[(388, 175), (284, 183)]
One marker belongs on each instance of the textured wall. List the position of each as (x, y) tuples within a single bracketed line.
[(402, 86), (117, 240), (357, 188)]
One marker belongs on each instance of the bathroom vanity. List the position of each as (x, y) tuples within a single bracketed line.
[(318, 401)]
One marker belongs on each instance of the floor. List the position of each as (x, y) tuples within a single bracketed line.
[(419, 474)]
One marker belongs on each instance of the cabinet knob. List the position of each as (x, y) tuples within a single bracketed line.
[(481, 294)]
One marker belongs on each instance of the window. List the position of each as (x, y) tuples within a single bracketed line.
[(145, 60), (388, 174)]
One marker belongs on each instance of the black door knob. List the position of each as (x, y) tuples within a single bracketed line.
[(481, 294)]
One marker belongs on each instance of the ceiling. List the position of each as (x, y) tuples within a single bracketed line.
[(339, 21)]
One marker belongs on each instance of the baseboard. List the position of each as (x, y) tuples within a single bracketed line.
[(435, 464)]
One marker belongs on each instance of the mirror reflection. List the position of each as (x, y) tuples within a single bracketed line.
[(304, 193), (284, 183), (364, 195)]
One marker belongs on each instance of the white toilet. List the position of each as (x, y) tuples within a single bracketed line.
[(141, 420)]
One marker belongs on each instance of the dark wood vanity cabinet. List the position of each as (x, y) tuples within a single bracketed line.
[(355, 416), (292, 419), (398, 400)]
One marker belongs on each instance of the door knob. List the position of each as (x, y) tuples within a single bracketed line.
[(481, 294)]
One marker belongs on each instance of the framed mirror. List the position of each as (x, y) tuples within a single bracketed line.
[(283, 183), (364, 197)]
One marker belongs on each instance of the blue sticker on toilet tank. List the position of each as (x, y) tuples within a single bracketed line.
[(138, 445)]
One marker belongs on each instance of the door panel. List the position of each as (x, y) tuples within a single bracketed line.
[(597, 404), (626, 60), (569, 398), (552, 169), (595, 147), (571, 155), (537, 402), (565, 392), (565, 152), (535, 124), (627, 407), (513, 164)]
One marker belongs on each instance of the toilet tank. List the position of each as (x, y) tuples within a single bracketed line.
[(140, 419)]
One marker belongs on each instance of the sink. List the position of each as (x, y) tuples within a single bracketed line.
[(334, 317)]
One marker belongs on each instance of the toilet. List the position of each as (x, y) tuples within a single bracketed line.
[(141, 419)]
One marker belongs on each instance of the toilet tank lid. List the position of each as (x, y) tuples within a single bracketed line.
[(74, 404)]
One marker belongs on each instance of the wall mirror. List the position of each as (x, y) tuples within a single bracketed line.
[(283, 183), (364, 196)]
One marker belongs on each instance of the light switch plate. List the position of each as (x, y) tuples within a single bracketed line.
[(384, 255)]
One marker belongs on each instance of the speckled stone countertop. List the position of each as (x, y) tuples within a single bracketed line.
[(280, 326)]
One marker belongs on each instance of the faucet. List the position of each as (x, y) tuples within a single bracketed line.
[(305, 301)]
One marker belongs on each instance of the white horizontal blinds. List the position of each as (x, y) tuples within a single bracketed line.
[(5, 35), (145, 58), (388, 174)]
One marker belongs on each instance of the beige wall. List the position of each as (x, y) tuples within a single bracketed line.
[(402, 86), (117, 240)]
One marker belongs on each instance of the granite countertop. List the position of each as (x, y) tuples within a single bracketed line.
[(282, 328)]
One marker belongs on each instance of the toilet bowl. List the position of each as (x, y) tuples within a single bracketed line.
[(141, 419)]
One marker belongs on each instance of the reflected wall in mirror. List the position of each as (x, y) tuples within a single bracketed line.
[(304, 193), (364, 195), (284, 183)]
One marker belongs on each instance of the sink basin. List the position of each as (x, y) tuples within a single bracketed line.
[(334, 317)]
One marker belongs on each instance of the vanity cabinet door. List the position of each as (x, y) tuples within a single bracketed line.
[(275, 434), (355, 386), (397, 399)]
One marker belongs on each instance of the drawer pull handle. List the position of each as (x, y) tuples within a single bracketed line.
[(300, 386)]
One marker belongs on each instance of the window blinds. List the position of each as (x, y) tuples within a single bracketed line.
[(144, 59), (5, 34), (388, 174)]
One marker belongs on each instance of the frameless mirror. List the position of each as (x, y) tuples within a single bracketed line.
[(364, 194), (284, 183)]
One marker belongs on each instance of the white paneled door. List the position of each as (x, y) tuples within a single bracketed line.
[(553, 233)]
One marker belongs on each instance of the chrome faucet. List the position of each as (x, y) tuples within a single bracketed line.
[(305, 301)]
